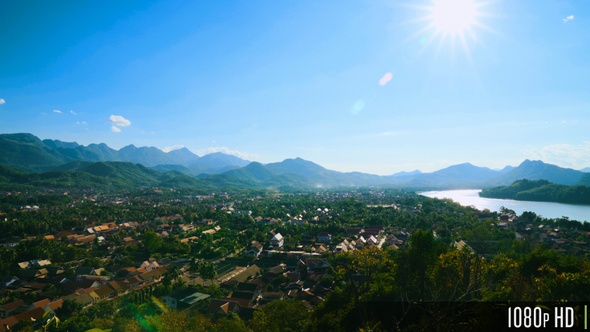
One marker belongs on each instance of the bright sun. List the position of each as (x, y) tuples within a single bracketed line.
[(453, 17), (451, 21)]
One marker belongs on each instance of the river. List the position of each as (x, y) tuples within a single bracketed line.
[(544, 209)]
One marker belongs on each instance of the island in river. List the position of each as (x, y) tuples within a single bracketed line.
[(540, 191)]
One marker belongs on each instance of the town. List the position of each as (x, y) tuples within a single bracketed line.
[(71, 260)]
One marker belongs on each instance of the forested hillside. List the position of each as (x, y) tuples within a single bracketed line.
[(540, 190)]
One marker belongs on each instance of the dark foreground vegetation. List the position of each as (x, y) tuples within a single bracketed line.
[(341, 260)]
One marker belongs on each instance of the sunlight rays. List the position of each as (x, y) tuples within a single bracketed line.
[(450, 23)]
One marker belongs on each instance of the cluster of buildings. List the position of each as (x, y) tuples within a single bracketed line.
[(298, 278), (36, 313), (38, 279)]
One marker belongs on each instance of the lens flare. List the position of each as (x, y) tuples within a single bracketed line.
[(159, 304)]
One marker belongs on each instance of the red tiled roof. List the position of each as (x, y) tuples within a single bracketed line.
[(42, 303), (13, 305), (30, 315)]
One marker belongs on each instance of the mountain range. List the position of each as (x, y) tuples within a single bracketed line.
[(30, 153), (28, 160)]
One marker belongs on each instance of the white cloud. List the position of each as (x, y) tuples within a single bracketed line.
[(564, 155), (2, 101), (226, 150), (117, 122), (83, 123), (172, 148), (567, 19), (57, 111), (73, 113), (390, 134)]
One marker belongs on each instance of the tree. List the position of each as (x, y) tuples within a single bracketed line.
[(176, 321), (68, 308), (151, 241), (457, 276), (122, 324), (207, 271), (282, 315), (415, 265), (231, 323)]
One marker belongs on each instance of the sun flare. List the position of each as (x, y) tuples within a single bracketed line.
[(453, 17), (452, 23)]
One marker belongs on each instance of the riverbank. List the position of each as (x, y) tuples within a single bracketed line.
[(471, 197)]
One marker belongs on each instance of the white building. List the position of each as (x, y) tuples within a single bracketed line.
[(277, 241)]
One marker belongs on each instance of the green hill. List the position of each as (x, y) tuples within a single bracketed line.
[(540, 190), (27, 151), (100, 175)]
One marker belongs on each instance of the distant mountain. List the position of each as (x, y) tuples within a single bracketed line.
[(457, 176), (405, 174), (538, 170), (99, 152), (295, 173), (74, 151), (215, 163), (183, 156), (148, 156), (55, 144), (506, 169), (467, 172), (469, 176), (318, 176), (254, 175), (28, 152), (585, 170), (299, 167), (61, 163)]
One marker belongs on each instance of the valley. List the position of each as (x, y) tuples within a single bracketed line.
[(288, 242)]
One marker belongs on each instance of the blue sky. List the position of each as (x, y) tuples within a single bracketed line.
[(365, 86)]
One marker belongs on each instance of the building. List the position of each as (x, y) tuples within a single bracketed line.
[(184, 298), (277, 241), (324, 237)]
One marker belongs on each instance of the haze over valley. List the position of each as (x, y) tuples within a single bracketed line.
[(29, 153)]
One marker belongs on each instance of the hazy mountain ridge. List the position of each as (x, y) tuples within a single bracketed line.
[(215, 163), (404, 173), (538, 170), (28, 152), (128, 166), (297, 171), (463, 175)]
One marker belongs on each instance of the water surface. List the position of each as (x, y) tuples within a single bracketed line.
[(544, 209)]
